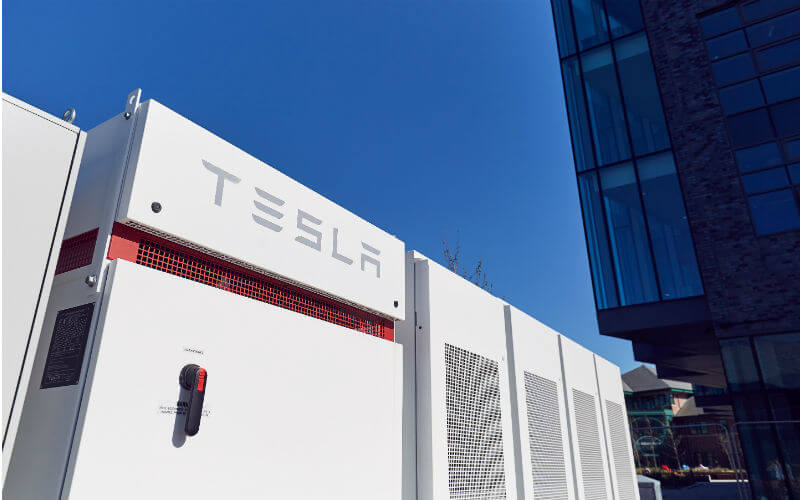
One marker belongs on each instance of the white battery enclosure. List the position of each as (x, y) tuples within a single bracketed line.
[(464, 435), (295, 408), (328, 361)]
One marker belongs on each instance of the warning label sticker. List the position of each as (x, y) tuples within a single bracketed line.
[(178, 408), (67, 347)]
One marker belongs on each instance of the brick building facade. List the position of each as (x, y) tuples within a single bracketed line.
[(685, 125)]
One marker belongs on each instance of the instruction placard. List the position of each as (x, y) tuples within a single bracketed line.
[(67, 347)]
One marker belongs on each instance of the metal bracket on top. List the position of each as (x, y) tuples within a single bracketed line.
[(132, 102)]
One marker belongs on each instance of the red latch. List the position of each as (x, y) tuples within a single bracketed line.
[(201, 379)]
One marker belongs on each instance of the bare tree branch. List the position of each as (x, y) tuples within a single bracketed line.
[(452, 260)]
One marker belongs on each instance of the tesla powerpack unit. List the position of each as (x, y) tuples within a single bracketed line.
[(540, 409), (218, 331), (585, 420), (463, 413), (41, 155), (617, 430)]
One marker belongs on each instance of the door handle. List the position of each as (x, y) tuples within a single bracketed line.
[(195, 380)]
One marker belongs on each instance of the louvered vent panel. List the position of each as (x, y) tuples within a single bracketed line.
[(623, 466), (589, 447), (474, 429), (544, 435)]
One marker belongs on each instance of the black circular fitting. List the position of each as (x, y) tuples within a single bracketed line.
[(155, 206), (396, 303), (187, 376)]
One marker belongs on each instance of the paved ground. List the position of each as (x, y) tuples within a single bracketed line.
[(717, 490)]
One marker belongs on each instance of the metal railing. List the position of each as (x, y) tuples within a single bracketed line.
[(789, 490), (742, 489)]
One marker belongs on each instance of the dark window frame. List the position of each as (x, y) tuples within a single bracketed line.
[(633, 158), (760, 73)]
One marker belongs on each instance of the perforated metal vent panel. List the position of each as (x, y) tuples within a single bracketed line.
[(474, 430), (545, 437), (619, 447), (76, 251), (589, 447), (166, 256), (166, 259)]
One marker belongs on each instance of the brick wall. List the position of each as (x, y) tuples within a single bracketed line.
[(752, 283)]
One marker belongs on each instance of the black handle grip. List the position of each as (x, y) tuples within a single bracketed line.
[(194, 379)]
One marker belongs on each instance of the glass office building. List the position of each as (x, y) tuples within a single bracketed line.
[(639, 242), (685, 127)]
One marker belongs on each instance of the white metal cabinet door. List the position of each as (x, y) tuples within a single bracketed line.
[(297, 408), (40, 158), (546, 464), (617, 430), (585, 419)]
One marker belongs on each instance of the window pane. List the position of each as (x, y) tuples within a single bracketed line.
[(758, 157), (733, 69), (590, 22), (673, 248), (642, 102), (794, 173), (756, 10), (786, 117), (751, 406), (785, 405), (778, 356), (764, 181), (726, 45), (749, 128), (740, 366), (605, 106), (764, 471), (774, 29), (789, 439), (792, 150), (782, 85), (780, 55), (564, 31), (624, 16), (741, 97), (720, 22), (576, 109), (632, 261), (774, 212), (597, 240)]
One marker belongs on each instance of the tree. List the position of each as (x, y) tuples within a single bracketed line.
[(452, 259), (725, 444), (674, 443)]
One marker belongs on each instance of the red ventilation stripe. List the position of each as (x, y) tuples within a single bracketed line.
[(157, 253), (76, 251)]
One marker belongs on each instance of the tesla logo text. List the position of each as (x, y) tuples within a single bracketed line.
[(309, 230)]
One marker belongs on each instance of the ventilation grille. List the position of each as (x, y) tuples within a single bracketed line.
[(474, 429), (76, 251), (545, 438), (589, 447), (619, 447), (207, 270)]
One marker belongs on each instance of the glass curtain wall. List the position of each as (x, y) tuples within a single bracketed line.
[(754, 48), (637, 234), (764, 381)]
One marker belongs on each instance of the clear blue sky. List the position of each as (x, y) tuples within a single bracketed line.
[(420, 116)]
